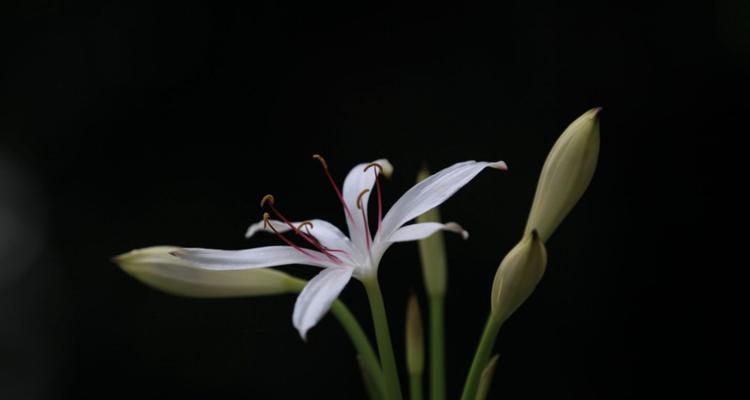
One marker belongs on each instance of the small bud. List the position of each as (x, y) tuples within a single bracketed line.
[(566, 174), (432, 252), (158, 268), (485, 382), (414, 338), (518, 274)]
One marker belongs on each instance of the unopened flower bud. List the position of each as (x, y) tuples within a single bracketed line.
[(518, 274), (414, 338), (432, 252), (158, 268), (566, 174)]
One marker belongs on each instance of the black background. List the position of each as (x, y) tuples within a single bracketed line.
[(127, 125)]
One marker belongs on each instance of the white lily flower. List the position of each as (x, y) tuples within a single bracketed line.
[(342, 257)]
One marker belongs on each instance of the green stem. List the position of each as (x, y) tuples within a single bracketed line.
[(437, 348), (481, 357), (415, 386), (383, 336), (368, 358), (359, 340)]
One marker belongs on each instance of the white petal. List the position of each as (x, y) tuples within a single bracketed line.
[(260, 226), (425, 229), (325, 232), (259, 257), (317, 296), (158, 268), (430, 193), (356, 181), (415, 232)]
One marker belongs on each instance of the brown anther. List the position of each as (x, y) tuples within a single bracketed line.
[(266, 220), (305, 223), (267, 199), (321, 159), (375, 165), (359, 198)]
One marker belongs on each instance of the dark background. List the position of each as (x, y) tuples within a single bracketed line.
[(124, 126)]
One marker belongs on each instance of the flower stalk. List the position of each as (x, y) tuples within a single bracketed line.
[(414, 348), (435, 274), (481, 357), (383, 336)]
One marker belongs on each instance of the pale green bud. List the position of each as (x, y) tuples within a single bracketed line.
[(518, 274), (414, 338), (566, 174), (485, 381), (158, 268), (432, 251)]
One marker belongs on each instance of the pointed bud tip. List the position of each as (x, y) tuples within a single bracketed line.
[(594, 112)]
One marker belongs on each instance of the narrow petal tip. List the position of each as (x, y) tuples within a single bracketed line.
[(501, 165), (454, 227)]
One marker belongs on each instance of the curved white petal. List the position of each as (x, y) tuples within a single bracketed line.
[(430, 193), (260, 226), (317, 296), (260, 257), (420, 231), (356, 181), (416, 232), (325, 232), (158, 268)]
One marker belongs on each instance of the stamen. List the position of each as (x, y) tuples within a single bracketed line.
[(267, 199), (378, 170), (335, 187), (359, 198), (309, 225), (364, 217), (305, 223), (321, 159), (267, 224), (376, 166)]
